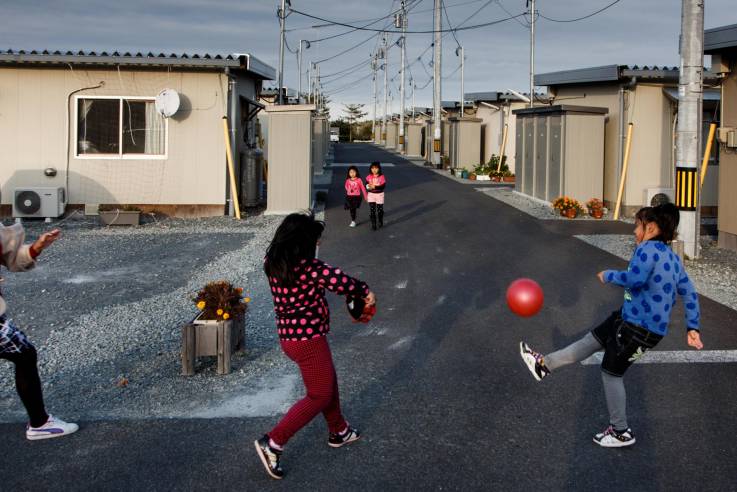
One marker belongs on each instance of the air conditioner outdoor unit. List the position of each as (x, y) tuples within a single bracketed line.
[(41, 202), (651, 193)]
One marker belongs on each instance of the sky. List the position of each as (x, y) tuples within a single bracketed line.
[(631, 32)]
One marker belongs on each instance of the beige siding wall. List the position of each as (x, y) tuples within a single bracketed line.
[(584, 145), (391, 135), (727, 222), (33, 137), (492, 132), (290, 163), (414, 139)]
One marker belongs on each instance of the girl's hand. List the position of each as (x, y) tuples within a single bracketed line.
[(601, 277), (46, 240), (370, 299), (693, 338)]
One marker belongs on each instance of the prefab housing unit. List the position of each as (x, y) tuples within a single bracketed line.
[(464, 142), (92, 118), (560, 151)]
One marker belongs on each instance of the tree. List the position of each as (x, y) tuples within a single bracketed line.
[(354, 112), (325, 110)]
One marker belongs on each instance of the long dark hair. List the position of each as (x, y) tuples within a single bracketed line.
[(376, 164), (665, 216), (294, 240), (348, 173)]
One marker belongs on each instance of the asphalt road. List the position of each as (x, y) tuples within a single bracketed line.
[(435, 382)]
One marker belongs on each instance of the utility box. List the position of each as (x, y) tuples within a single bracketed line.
[(413, 138), (289, 183), (560, 151), (252, 171), (391, 135), (464, 142)]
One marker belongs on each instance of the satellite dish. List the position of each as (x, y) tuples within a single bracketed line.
[(167, 102)]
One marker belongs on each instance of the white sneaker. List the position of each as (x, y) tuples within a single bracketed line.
[(610, 438), (353, 223), (52, 428)]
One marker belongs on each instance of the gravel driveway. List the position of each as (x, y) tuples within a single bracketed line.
[(108, 303)]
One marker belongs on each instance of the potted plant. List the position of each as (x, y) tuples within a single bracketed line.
[(219, 327), (119, 214), (500, 173), (595, 208), (482, 172), (568, 207), (472, 176)]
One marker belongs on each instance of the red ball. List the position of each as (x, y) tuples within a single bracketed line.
[(525, 297)]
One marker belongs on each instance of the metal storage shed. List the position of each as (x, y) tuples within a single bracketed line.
[(560, 151)]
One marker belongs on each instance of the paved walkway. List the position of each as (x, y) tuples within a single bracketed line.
[(435, 382)]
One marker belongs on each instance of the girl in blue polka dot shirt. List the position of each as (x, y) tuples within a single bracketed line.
[(653, 280)]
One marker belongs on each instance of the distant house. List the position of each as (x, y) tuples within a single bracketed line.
[(648, 98), (91, 120), (495, 111), (721, 44)]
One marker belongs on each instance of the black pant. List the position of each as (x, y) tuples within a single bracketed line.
[(376, 211), (623, 343), (352, 203), (28, 384)]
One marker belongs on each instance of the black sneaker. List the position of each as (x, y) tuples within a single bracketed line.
[(270, 457), (338, 440), (534, 361), (612, 438)]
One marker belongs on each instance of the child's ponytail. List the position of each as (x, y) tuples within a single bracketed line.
[(667, 217)]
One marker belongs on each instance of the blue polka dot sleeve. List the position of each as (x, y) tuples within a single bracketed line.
[(690, 299), (640, 267)]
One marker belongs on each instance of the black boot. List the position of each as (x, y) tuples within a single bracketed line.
[(372, 215), (381, 215)]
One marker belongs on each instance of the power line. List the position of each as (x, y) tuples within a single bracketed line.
[(356, 69), (343, 71), (449, 23), (466, 28), (584, 17)]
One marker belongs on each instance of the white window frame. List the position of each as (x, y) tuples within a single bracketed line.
[(120, 155)]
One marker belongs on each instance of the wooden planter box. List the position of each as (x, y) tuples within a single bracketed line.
[(120, 217), (202, 338)]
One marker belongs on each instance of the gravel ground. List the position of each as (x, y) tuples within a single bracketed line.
[(108, 303), (714, 274), (537, 209)]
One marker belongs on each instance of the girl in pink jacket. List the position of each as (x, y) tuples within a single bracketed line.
[(354, 189), (375, 184)]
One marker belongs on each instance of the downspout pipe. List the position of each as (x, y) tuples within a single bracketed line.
[(623, 89), (233, 99)]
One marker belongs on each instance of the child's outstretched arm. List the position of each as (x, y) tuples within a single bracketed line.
[(640, 267), (363, 189), (690, 299), (336, 280), (15, 255)]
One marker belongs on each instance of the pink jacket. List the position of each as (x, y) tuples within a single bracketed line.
[(355, 187), (377, 181)]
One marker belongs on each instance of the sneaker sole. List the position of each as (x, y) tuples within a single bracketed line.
[(617, 444), (39, 437), (265, 462), (525, 359), (344, 443)]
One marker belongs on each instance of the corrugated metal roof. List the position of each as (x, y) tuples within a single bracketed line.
[(242, 61), (561, 108), (720, 38), (606, 73), (496, 96)]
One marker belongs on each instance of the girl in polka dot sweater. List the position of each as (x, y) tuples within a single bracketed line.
[(298, 282), (654, 278)]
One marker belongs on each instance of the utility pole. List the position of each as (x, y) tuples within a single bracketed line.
[(299, 67), (531, 3), (403, 24), (437, 80), (282, 39), (688, 130), (385, 56), (374, 65), (459, 52)]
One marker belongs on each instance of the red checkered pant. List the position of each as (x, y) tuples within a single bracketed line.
[(318, 374)]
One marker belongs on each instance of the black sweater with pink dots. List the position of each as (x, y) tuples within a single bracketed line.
[(301, 309)]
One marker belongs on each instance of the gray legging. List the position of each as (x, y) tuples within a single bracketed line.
[(616, 397)]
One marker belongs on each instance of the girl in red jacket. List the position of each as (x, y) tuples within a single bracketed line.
[(298, 282)]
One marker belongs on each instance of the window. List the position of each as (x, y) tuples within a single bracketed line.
[(120, 127)]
